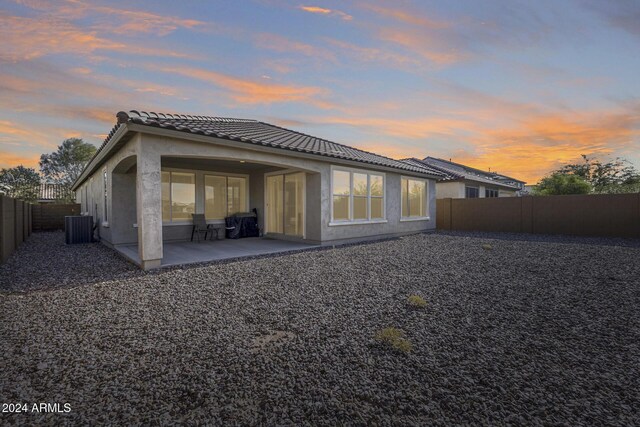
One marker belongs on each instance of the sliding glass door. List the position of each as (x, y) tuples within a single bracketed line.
[(275, 204), (285, 204)]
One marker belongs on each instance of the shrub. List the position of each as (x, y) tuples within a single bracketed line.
[(394, 338), (487, 247), (416, 301)]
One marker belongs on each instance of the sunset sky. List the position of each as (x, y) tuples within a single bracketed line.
[(520, 87)]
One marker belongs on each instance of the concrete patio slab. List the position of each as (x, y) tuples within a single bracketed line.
[(186, 252)]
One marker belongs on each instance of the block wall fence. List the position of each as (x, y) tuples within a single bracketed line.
[(15, 225), (606, 215), (18, 219)]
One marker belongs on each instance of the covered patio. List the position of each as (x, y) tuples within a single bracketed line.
[(186, 252)]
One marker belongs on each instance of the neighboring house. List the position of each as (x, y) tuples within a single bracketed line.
[(53, 193), (462, 181), (154, 170)]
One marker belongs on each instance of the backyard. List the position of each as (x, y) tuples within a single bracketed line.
[(515, 330)]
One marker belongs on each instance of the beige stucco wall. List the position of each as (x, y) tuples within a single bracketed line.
[(456, 189), (452, 189)]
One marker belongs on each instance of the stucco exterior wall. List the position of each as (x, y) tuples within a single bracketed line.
[(452, 190), (456, 190), (91, 198), (127, 184)]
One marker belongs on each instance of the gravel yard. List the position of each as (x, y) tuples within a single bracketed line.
[(517, 332), (45, 261)]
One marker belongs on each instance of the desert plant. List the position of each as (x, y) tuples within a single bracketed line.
[(416, 301), (394, 338), (487, 247)]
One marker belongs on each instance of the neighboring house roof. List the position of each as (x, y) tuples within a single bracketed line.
[(456, 171), (50, 192), (255, 132)]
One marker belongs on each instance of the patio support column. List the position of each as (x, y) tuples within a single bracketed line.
[(149, 207)]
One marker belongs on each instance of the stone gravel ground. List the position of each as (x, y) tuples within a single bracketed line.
[(45, 261), (521, 333)]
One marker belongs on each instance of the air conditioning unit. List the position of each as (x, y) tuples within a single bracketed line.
[(78, 229)]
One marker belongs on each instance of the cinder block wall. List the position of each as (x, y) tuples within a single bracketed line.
[(49, 217), (15, 225)]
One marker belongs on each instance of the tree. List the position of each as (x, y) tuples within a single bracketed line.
[(65, 165), (20, 183), (616, 176), (562, 183)]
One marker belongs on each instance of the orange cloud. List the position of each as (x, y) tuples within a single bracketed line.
[(315, 9), (126, 22), (252, 92), (403, 128), (437, 41), (546, 142), (10, 160), (431, 48), (8, 128), (371, 54), (323, 11), (388, 150), (282, 44), (407, 17), (29, 38), (131, 21)]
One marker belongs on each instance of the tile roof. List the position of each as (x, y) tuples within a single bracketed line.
[(454, 171), (53, 192), (265, 134)]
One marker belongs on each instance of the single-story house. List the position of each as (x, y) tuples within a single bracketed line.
[(462, 181), (154, 170)]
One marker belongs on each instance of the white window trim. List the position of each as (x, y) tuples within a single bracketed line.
[(351, 221), (105, 198), (476, 187), (426, 201)]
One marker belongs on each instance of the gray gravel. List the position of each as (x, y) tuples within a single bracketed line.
[(45, 261), (524, 333)]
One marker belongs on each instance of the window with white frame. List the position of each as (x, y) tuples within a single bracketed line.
[(224, 195), (471, 192), (490, 192), (178, 196), (104, 206), (357, 196), (414, 198)]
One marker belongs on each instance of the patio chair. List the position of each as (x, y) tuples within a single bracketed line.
[(199, 226)]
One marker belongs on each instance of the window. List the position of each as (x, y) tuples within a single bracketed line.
[(104, 178), (341, 195), (490, 192), (224, 196), (178, 196), (471, 192), (414, 198), (377, 196), (358, 196)]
